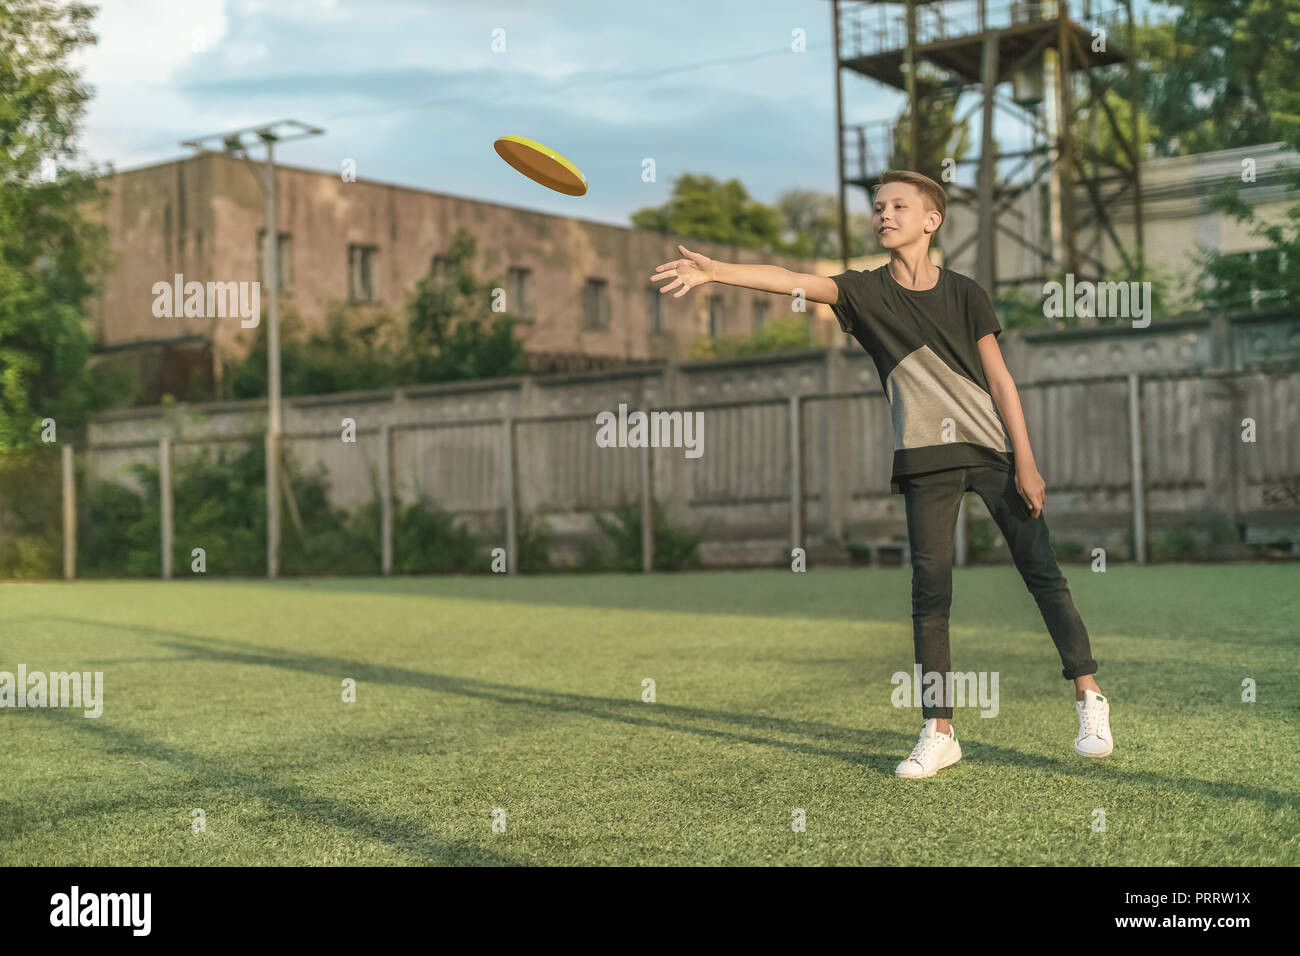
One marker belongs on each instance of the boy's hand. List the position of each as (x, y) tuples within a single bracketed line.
[(1032, 489), (694, 270)]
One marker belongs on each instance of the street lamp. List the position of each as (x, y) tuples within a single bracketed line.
[(233, 144)]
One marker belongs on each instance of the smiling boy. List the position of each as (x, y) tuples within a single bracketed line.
[(958, 427)]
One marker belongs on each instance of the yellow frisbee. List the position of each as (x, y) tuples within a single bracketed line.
[(542, 165)]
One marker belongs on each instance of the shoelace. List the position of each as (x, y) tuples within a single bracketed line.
[(923, 747), (1093, 721)]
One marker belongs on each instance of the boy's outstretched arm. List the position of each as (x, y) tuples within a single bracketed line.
[(1002, 387), (696, 269)]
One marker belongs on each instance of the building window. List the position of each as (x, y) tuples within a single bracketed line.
[(654, 307), (519, 293), (595, 304), (361, 273), (284, 260), (762, 309), (715, 316)]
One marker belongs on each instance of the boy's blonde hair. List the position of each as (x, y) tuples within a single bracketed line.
[(932, 191)]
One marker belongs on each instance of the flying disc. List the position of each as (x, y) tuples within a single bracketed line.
[(542, 165)]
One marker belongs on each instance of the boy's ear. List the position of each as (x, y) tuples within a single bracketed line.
[(935, 217)]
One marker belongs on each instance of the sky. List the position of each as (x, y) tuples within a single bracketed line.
[(413, 92)]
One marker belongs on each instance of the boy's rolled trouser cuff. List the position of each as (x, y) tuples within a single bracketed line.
[(1079, 670)]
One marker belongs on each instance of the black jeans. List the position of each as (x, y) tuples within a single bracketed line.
[(932, 501)]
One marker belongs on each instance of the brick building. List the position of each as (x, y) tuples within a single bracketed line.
[(581, 289)]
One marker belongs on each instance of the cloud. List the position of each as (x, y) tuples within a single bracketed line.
[(412, 90)]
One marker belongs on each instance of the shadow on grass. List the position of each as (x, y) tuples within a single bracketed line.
[(1140, 600), (292, 798), (883, 595), (878, 750)]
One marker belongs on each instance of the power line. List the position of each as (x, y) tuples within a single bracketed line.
[(594, 80), (586, 81), (589, 80)]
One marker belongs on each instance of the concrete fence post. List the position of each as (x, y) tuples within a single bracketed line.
[(840, 443), (508, 488), (272, 503), (1136, 471), (385, 499), (961, 541), (678, 474), (647, 512), (165, 504), (69, 516), (796, 472)]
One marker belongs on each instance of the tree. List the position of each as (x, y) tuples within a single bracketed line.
[(1223, 74), (1233, 280), (790, 333), (452, 331), (1022, 306), (703, 208), (51, 255), (803, 222), (1092, 128), (810, 226), (1232, 81), (351, 353)]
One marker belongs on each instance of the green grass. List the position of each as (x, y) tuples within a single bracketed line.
[(524, 694)]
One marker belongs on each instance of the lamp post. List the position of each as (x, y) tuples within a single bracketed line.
[(233, 144)]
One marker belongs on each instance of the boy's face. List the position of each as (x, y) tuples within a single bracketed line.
[(900, 216)]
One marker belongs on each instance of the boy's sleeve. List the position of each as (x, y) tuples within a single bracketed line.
[(848, 306), (984, 319)]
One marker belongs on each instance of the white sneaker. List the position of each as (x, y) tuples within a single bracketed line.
[(1094, 738), (932, 752)]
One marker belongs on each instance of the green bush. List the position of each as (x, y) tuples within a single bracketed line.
[(890, 555), (427, 539), (675, 548), (31, 514), (983, 540), (118, 529), (219, 505), (1070, 550), (534, 540), (1175, 544)]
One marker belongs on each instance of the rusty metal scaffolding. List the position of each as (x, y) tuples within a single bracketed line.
[(976, 46)]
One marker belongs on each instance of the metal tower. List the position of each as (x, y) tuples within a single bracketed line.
[(1049, 51)]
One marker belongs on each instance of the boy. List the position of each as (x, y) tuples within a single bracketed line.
[(958, 426)]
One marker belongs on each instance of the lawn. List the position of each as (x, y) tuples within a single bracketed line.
[(524, 695)]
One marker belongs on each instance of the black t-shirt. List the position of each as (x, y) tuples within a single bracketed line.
[(923, 344)]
